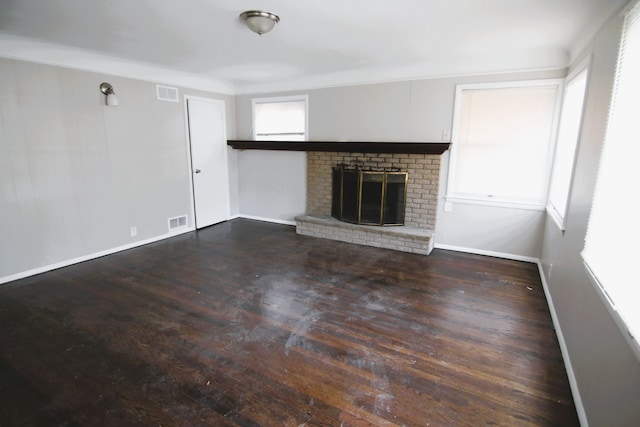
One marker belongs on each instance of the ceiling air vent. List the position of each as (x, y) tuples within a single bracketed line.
[(166, 93), (177, 223)]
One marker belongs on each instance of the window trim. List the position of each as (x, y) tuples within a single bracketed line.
[(558, 218), (280, 99), (619, 312), (501, 203), (498, 201), (617, 317)]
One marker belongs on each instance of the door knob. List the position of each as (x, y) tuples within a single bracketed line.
[(197, 171)]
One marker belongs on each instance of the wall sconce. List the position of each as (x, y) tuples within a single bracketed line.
[(112, 99), (258, 21)]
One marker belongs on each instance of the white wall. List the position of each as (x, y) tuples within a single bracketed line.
[(76, 175), (271, 184), (414, 111), (606, 371)]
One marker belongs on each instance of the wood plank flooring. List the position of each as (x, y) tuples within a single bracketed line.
[(248, 324)]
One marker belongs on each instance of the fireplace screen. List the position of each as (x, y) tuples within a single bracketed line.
[(371, 197)]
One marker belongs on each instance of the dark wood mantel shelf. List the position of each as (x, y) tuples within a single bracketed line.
[(344, 147)]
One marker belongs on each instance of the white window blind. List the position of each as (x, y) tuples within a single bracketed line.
[(568, 133), (502, 142), (281, 119), (611, 244)]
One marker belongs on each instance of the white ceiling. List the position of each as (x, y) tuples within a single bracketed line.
[(202, 43)]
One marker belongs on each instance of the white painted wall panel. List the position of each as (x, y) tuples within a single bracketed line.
[(272, 184), (417, 110), (76, 175), (607, 372)]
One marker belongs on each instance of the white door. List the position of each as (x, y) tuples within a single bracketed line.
[(208, 142)]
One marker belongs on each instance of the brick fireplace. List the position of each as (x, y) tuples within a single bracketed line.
[(415, 236), (420, 160)]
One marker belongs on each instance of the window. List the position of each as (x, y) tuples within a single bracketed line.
[(280, 119), (568, 134), (502, 140), (611, 244)]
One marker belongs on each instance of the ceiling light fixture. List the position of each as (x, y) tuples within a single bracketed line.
[(258, 21)]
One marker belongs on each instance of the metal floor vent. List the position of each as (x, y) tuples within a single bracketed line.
[(177, 223), (166, 93)]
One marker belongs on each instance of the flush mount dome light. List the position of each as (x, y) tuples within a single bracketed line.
[(258, 21)]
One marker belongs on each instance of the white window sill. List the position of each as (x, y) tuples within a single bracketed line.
[(495, 203), (556, 218), (611, 308)]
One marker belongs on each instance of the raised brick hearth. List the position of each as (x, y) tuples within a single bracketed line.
[(422, 196)]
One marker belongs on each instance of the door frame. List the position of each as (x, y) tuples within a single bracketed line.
[(187, 126)]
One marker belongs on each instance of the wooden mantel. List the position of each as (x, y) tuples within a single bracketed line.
[(344, 147)]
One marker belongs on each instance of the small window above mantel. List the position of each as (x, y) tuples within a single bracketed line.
[(345, 147)]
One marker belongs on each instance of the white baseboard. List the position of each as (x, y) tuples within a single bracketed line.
[(259, 218), (68, 262), (573, 383), (487, 253), (563, 346)]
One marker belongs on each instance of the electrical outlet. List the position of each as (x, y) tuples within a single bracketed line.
[(134, 231), (447, 206), (446, 135)]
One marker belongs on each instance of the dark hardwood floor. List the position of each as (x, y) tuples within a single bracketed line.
[(246, 323)]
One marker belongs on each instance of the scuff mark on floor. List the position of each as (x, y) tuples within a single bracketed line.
[(297, 338)]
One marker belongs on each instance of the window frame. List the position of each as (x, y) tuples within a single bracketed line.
[(499, 201), (255, 102), (560, 218), (617, 304)]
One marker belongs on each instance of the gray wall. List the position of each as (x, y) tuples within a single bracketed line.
[(606, 371), (76, 175), (271, 184), (419, 110)]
